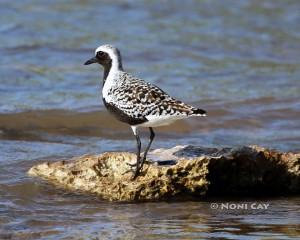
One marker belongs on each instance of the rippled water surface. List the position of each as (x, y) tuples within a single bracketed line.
[(239, 60)]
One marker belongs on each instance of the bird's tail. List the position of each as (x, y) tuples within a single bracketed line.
[(198, 112)]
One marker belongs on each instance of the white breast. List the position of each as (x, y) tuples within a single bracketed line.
[(110, 83)]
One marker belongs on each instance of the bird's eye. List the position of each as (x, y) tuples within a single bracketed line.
[(100, 54)]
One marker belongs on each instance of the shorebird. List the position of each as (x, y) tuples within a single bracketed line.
[(137, 102)]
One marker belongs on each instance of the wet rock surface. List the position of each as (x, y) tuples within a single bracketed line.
[(182, 172)]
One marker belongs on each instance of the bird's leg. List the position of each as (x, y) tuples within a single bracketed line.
[(138, 154), (152, 135), (138, 157)]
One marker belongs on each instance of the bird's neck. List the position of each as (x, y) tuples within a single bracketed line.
[(107, 69), (111, 68)]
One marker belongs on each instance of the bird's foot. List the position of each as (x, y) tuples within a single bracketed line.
[(131, 169), (136, 173), (134, 169), (131, 164)]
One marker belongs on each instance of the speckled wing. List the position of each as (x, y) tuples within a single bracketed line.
[(142, 100)]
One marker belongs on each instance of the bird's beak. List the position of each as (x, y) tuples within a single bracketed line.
[(90, 61)]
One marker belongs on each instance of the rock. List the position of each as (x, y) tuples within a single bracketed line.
[(181, 172)]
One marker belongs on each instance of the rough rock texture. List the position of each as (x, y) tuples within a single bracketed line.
[(182, 172)]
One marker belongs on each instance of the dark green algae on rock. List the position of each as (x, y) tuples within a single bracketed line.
[(182, 172)]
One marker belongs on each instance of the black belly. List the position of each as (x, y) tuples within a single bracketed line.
[(123, 117)]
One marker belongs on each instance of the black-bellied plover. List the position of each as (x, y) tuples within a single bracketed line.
[(136, 102)]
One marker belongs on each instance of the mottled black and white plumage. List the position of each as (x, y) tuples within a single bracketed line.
[(136, 102)]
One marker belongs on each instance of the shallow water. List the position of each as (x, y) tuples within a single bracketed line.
[(239, 60)]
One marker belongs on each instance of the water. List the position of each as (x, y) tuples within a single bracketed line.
[(239, 60)]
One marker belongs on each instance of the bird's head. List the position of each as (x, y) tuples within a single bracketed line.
[(107, 56)]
